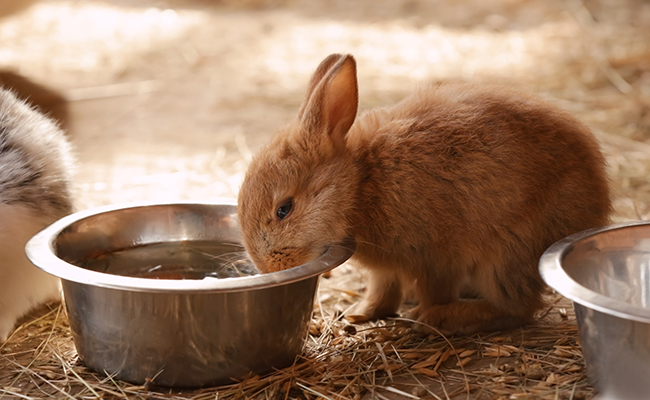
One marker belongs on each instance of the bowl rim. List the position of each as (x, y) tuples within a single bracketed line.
[(550, 268), (40, 251)]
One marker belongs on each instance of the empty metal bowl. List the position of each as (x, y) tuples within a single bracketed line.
[(606, 272), (176, 322)]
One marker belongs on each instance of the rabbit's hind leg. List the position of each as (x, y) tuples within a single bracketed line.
[(505, 298)]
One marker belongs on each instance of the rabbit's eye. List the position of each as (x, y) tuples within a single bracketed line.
[(284, 209)]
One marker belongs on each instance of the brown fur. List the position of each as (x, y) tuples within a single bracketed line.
[(457, 189)]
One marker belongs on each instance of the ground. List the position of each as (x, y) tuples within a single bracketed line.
[(168, 100)]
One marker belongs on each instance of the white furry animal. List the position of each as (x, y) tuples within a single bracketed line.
[(36, 164)]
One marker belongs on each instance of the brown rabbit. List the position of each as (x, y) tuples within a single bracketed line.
[(456, 191)]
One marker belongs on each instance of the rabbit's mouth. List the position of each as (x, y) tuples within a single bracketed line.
[(287, 257)]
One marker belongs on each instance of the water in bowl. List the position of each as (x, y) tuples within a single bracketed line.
[(175, 260)]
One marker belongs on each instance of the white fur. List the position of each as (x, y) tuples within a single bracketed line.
[(22, 285), (36, 163)]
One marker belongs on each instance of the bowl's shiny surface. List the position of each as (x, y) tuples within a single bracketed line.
[(183, 333), (606, 272)]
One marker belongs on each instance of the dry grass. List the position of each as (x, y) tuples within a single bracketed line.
[(386, 359), (592, 58)]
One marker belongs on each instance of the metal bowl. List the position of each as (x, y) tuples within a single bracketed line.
[(183, 333), (606, 272)]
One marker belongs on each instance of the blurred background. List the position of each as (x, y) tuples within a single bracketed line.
[(168, 100)]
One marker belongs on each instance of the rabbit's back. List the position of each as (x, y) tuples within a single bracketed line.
[(476, 172)]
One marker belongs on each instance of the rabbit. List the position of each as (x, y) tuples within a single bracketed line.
[(36, 167), (455, 192)]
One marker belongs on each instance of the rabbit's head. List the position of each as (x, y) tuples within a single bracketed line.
[(299, 190)]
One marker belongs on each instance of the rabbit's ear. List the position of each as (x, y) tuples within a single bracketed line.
[(323, 68), (332, 104)]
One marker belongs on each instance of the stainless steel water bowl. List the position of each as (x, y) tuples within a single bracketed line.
[(606, 272), (201, 331)]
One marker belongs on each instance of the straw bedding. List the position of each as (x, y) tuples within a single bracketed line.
[(239, 68), (381, 360)]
